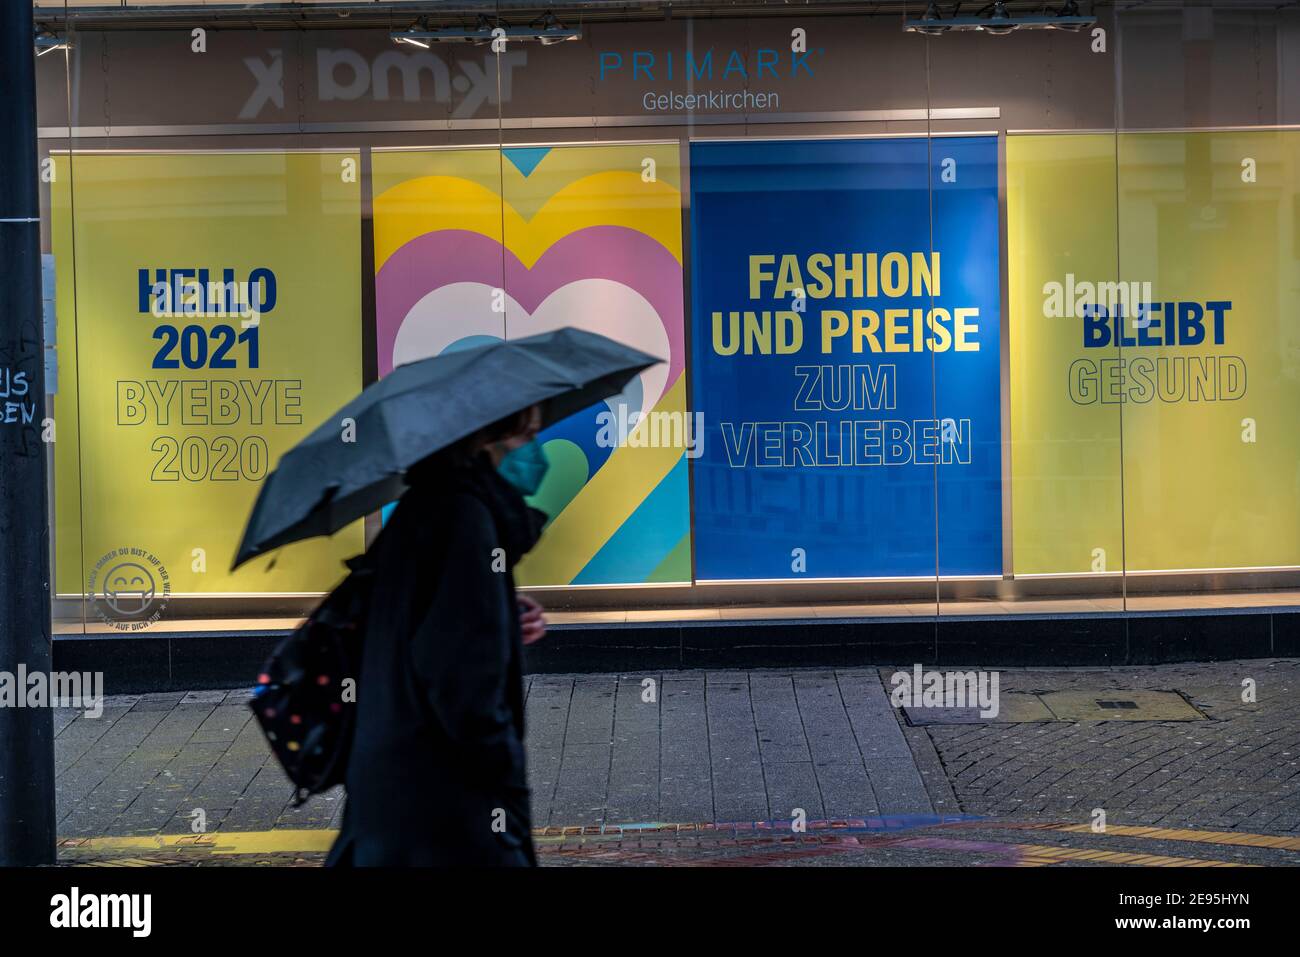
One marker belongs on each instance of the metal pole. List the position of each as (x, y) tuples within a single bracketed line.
[(27, 822)]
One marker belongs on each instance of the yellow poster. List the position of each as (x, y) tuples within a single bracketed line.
[(1155, 350), (209, 316)]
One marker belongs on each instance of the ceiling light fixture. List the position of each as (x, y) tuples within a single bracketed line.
[(994, 20), (547, 31), (411, 35), (552, 31), (930, 25), (47, 42), (1068, 18), (999, 22)]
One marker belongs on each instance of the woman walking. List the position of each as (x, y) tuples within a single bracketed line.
[(437, 774)]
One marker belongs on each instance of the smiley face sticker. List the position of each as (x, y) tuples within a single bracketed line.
[(129, 588)]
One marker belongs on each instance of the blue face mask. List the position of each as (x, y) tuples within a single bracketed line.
[(525, 467)]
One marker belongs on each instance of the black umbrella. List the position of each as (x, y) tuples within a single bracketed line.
[(324, 483)]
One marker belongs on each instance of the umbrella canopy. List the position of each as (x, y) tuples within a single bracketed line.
[(324, 482)]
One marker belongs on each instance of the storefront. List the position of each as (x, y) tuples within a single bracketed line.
[(951, 325)]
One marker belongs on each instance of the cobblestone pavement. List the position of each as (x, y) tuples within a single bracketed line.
[(788, 767), (1238, 770)]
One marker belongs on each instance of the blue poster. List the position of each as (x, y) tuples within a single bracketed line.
[(845, 326)]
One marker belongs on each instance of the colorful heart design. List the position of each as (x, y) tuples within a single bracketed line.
[(442, 269), (609, 279)]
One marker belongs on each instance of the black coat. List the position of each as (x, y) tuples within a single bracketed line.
[(436, 774)]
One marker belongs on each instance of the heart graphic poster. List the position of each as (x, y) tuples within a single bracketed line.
[(481, 244)]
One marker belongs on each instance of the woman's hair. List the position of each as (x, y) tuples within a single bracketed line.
[(503, 428)]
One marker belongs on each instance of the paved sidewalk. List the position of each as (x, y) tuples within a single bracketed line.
[(1237, 770), (723, 767)]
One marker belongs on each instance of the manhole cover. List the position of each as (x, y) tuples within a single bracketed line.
[(1094, 705), (1091, 705)]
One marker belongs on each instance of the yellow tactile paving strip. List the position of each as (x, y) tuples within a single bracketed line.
[(281, 841), (1041, 855), (1232, 838), (318, 841)]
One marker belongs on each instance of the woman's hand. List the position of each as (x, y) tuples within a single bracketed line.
[(532, 620)]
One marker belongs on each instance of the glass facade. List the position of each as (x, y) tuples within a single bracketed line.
[(951, 325)]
